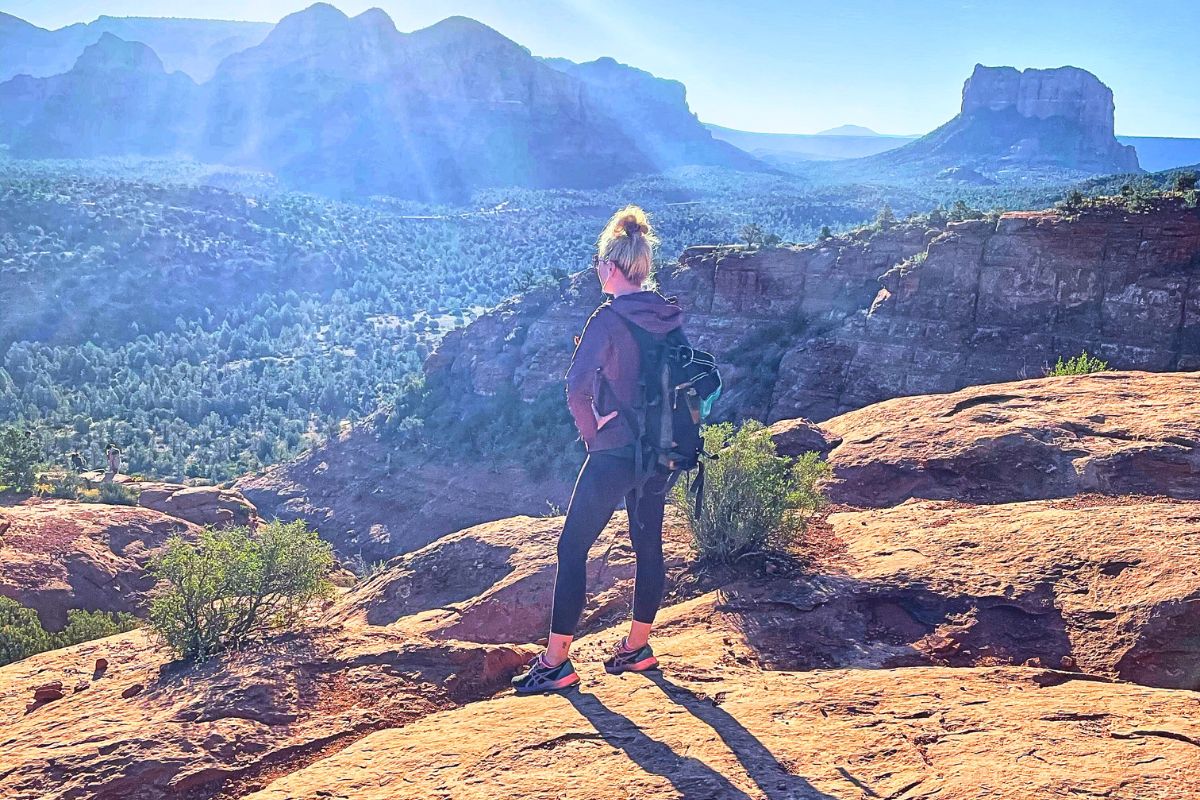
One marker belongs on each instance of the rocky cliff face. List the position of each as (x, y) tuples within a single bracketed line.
[(993, 301), (653, 112), (820, 329), (1068, 94), (1012, 122)]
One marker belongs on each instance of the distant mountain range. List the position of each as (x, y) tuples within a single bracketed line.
[(351, 106), (1155, 153), (193, 46), (789, 149)]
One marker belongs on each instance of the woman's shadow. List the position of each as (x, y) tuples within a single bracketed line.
[(691, 777)]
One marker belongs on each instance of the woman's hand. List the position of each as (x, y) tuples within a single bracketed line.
[(602, 421)]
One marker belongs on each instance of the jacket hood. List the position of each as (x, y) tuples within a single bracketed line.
[(649, 311)]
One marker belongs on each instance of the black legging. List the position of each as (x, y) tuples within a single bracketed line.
[(603, 481)]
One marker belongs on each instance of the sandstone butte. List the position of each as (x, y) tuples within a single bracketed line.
[(815, 331), (1043, 646)]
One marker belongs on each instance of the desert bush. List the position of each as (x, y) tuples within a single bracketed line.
[(752, 234), (117, 494), (1073, 203), (1081, 364), (84, 626), (232, 586), (960, 211), (22, 634), (61, 487), (754, 499)]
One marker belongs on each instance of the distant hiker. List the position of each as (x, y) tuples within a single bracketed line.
[(77, 464), (113, 454), (608, 393)]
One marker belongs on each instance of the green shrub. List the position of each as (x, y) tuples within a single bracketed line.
[(1073, 203), (1082, 364), (232, 587), (19, 454), (84, 626), (754, 499), (61, 487), (117, 494), (21, 633), (961, 212)]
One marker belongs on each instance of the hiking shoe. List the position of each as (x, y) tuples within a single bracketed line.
[(543, 678), (640, 660)]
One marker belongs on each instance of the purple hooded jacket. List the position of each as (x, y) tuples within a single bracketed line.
[(604, 370)]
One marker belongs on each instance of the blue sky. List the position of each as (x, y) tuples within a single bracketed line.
[(799, 67)]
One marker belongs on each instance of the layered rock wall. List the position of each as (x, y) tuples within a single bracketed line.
[(863, 318), (990, 302)]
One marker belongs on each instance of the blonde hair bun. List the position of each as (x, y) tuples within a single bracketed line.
[(629, 240), (630, 225)]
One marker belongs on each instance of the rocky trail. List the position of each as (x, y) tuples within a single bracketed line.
[(706, 730), (924, 645)]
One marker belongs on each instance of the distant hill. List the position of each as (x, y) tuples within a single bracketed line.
[(352, 107), (194, 46), (848, 130), (1157, 153), (788, 149)]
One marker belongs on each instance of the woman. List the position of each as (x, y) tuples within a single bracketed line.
[(603, 377)]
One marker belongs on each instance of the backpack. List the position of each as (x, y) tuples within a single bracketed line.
[(677, 386)]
